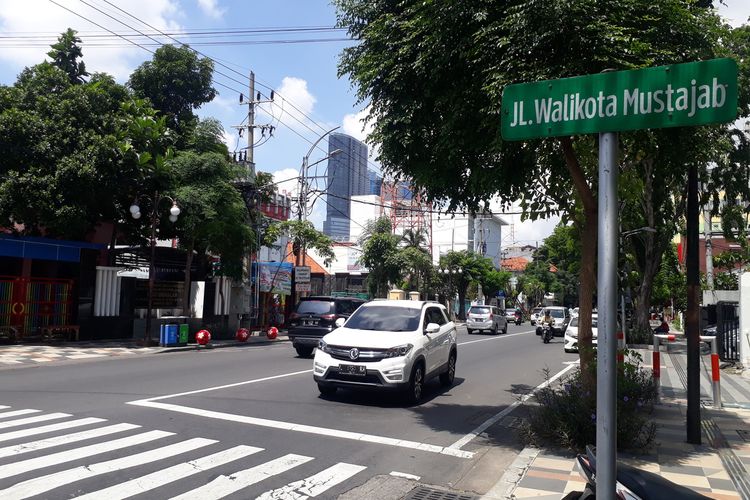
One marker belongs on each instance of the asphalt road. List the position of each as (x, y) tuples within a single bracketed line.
[(243, 421)]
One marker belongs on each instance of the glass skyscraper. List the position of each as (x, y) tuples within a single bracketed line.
[(347, 176)]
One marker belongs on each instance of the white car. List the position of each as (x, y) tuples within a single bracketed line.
[(571, 334), (535, 315), (392, 345)]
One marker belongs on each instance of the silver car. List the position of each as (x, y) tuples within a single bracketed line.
[(486, 318)]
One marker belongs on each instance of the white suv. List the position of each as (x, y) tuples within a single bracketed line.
[(392, 345)]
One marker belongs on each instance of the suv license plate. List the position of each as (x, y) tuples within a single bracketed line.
[(353, 370), (310, 322)]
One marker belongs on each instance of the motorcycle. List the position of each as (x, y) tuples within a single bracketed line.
[(632, 483), (546, 333)]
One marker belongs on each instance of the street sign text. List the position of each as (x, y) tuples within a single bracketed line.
[(678, 95)]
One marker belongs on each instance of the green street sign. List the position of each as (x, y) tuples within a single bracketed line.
[(678, 95)]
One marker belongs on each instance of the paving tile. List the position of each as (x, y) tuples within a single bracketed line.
[(544, 474), (555, 463), (720, 484), (538, 494), (544, 484), (687, 480)]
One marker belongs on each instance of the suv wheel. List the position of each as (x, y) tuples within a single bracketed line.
[(304, 351), (416, 384), (495, 329), (447, 377), (326, 390), (505, 330)]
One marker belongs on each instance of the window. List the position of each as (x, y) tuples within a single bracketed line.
[(385, 318), (433, 315), (315, 307), (479, 310)]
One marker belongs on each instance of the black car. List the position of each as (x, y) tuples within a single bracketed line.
[(316, 317)]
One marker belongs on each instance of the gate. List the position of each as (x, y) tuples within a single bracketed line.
[(728, 330), (28, 305)]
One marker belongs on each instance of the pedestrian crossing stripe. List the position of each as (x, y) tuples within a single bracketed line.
[(219, 487), (171, 474), (8, 436)]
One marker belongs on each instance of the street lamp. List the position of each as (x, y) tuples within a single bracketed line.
[(135, 212), (449, 273)]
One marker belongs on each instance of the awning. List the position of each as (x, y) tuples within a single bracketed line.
[(30, 247)]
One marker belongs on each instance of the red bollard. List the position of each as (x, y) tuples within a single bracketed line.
[(203, 337), (242, 334), (656, 367), (272, 332), (620, 347)]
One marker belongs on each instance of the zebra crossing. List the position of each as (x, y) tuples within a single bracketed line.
[(96, 455)]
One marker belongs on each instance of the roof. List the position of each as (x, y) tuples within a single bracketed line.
[(315, 268), (515, 263), (406, 303), (32, 247)]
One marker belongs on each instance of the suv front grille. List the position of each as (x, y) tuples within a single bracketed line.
[(365, 355)]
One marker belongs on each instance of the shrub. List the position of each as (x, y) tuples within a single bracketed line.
[(565, 413), (637, 336)]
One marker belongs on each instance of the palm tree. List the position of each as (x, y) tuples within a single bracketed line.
[(415, 238)]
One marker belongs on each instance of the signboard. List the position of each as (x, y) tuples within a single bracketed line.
[(304, 287), (166, 294), (275, 277), (301, 275), (677, 95)]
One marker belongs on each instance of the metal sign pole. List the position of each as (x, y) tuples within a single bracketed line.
[(606, 364)]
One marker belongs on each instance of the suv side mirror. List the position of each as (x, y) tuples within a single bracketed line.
[(432, 328), (340, 322)]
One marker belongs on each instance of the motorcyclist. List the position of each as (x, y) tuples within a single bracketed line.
[(663, 327)]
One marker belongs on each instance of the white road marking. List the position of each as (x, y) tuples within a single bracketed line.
[(314, 485), (42, 444), (496, 337), (226, 485), (7, 436), (39, 485), (17, 413), (85, 356), (32, 420), (3, 407), (165, 476), (31, 464), (309, 429), (492, 420), (405, 475), (236, 384)]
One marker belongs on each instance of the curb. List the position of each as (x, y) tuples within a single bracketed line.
[(507, 484), (198, 347)]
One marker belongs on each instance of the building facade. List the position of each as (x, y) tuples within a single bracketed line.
[(347, 176)]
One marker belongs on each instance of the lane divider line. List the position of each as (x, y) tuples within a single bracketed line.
[(496, 337), (494, 419)]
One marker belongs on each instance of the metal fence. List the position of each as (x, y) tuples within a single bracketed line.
[(29, 304), (728, 330)]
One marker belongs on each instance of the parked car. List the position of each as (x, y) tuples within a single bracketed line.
[(486, 318), (560, 320), (534, 314), (391, 345), (315, 317), (571, 334)]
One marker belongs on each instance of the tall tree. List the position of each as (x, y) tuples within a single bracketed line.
[(380, 255), (177, 82), (434, 74), (65, 54)]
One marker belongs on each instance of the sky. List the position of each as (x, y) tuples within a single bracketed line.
[(288, 44)]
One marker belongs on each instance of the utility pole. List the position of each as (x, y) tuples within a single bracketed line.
[(709, 246), (691, 321)]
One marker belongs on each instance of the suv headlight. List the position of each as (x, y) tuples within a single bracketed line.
[(323, 347), (397, 351)]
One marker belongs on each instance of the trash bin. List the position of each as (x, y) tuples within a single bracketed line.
[(183, 334), (174, 331)]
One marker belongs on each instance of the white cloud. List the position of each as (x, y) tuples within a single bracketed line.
[(43, 16), (355, 124), (286, 180), (211, 8)]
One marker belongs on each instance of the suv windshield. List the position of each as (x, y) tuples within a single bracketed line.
[(537, 310), (557, 313), (315, 307), (479, 310), (386, 318)]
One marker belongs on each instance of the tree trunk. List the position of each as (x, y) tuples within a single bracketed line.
[(589, 232), (186, 311)]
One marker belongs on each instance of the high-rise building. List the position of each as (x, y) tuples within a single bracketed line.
[(347, 176), (376, 182)]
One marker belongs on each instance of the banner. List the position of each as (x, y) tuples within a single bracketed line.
[(275, 277)]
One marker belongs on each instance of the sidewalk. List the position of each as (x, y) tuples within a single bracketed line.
[(718, 468), (38, 354)]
